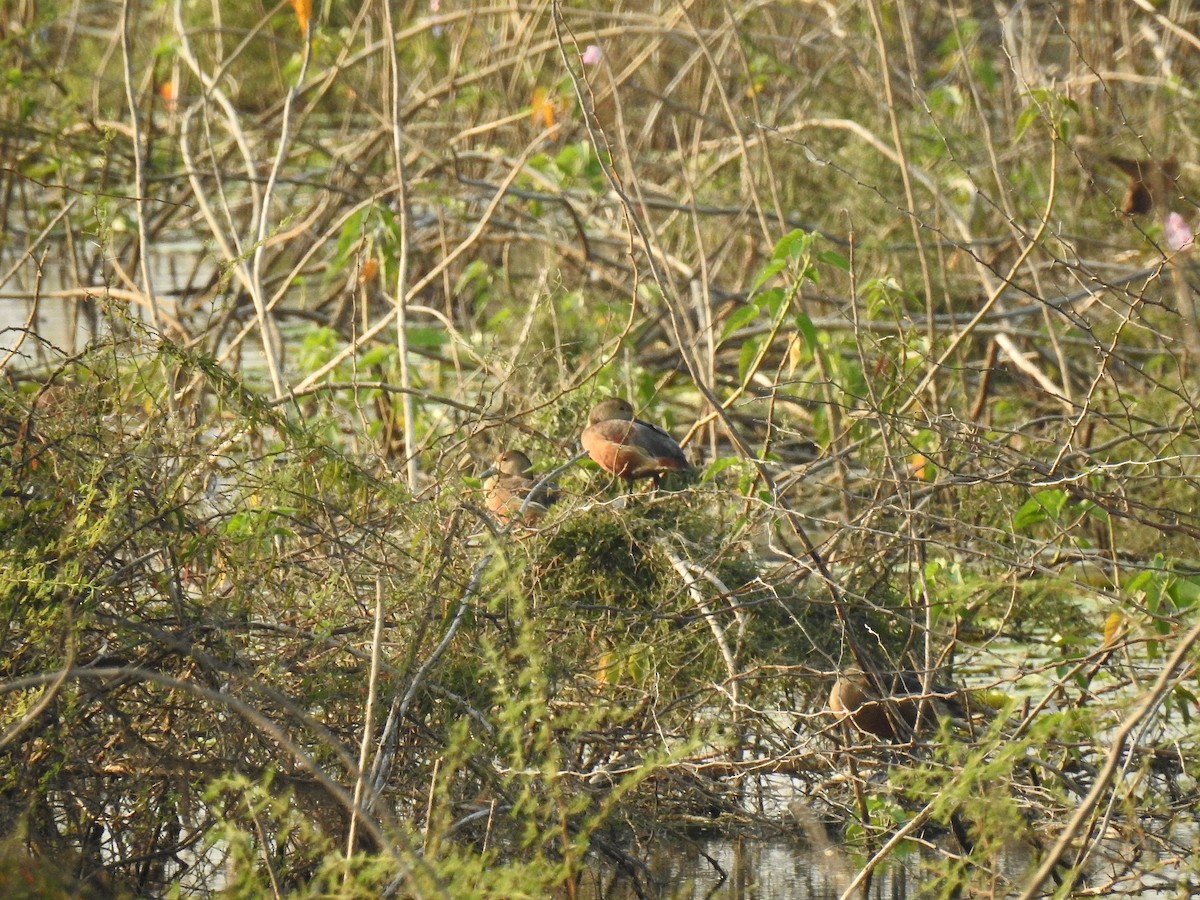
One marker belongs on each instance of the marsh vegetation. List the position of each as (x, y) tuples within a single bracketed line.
[(912, 285)]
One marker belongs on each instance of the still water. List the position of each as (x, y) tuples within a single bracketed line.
[(779, 869), (47, 311)]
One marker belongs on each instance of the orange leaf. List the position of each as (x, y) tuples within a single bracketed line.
[(921, 468), (542, 108), (166, 91), (370, 268), (795, 353), (303, 13), (1114, 627), (603, 664)]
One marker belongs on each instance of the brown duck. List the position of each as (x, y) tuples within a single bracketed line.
[(894, 716), (1151, 183), (628, 447), (509, 481)]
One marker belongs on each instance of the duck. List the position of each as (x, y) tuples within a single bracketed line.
[(509, 481), (892, 717), (629, 447)]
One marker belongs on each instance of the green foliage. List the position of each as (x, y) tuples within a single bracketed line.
[(957, 386), (1057, 108), (1055, 507)]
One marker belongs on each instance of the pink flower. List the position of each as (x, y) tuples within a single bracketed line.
[(591, 55), (1179, 235)]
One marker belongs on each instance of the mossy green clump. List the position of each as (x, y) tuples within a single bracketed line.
[(604, 559), (653, 584)]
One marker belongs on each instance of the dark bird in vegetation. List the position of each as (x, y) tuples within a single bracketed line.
[(891, 715), (1151, 183), (511, 480), (628, 447)]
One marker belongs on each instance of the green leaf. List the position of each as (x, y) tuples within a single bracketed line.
[(427, 338), (1044, 506), (1186, 701), (792, 245), (475, 274), (807, 330), (773, 300), (833, 258), (1028, 114), (390, 224), (720, 464), (1184, 592), (739, 318), (350, 234), (747, 356), (376, 356), (767, 272), (568, 159)]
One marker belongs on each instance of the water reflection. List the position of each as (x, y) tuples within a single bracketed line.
[(746, 869), (64, 311), (60, 323)]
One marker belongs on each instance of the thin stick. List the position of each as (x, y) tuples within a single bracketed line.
[(364, 747)]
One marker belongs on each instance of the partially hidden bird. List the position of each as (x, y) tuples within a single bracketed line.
[(511, 480), (1152, 183), (891, 716), (628, 447), (894, 715)]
